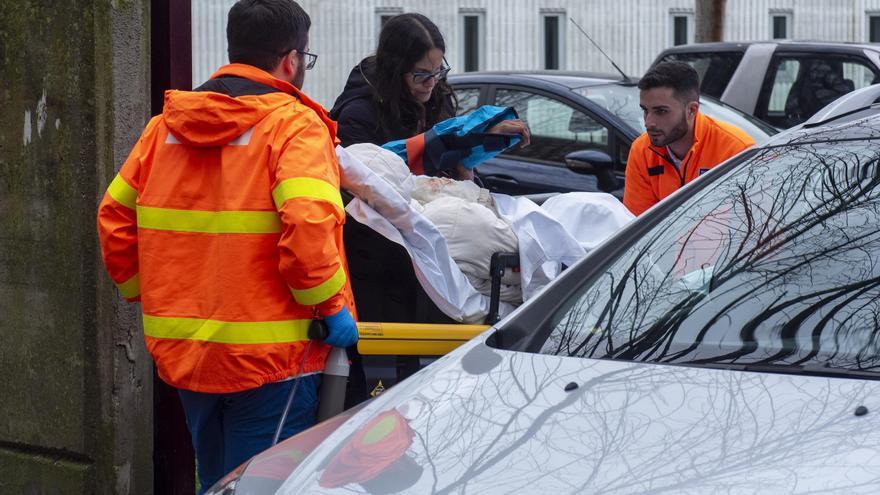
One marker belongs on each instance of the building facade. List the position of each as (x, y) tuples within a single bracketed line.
[(537, 34)]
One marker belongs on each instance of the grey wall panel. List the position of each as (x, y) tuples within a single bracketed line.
[(632, 32)]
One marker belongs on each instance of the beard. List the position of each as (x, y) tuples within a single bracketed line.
[(677, 132), (300, 77)]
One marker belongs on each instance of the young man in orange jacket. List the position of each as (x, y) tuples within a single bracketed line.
[(680, 143), (226, 223)]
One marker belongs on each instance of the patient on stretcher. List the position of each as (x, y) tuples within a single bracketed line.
[(451, 229), (462, 212)]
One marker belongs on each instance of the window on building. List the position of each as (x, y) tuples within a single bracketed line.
[(874, 28), (681, 31), (472, 41), (780, 26), (682, 28), (553, 40), (383, 15)]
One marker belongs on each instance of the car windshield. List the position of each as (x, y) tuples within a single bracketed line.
[(776, 263), (715, 69), (623, 100)]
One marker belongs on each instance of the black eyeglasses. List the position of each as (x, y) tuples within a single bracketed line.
[(422, 77), (310, 59)]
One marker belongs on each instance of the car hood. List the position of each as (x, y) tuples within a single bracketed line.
[(482, 420)]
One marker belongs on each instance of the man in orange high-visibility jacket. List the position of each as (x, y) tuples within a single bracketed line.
[(226, 223), (680, 143)]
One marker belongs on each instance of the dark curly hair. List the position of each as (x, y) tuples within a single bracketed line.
[(404, 40)]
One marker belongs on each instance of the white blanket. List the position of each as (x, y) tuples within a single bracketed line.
[(590, 217)]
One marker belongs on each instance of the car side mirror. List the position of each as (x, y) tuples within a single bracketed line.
[(594, 162)]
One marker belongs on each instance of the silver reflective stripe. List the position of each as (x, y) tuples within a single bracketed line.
[(244, 139)]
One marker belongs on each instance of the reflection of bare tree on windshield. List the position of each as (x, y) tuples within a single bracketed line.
[(634, 429), (777, 263)]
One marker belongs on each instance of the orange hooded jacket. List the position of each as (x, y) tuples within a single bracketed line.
[(651, 174), (226, 223)]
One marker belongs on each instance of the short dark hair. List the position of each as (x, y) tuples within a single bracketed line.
[(261, 32), (680, 76)]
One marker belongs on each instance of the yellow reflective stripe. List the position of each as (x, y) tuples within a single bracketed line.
[(122, 192), (322, 292), (226, 332), (306, 187), (131, 287), (211, 222)]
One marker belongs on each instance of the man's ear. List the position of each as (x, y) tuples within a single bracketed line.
[(292, 62), (288, 65), (692, 108)]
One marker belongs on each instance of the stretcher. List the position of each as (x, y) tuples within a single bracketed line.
[(401, 273), (431, 339), (401, 328)]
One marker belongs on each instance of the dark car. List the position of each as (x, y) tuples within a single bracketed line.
[(725, 341), (579, 122), (781, 82)]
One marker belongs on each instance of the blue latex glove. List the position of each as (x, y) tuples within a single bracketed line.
[(342, 329)]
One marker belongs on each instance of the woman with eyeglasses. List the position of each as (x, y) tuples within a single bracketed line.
[(401, 91)]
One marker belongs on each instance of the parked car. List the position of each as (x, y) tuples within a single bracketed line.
[(727, 340), (578, 121), (855, 105), (782, 82)]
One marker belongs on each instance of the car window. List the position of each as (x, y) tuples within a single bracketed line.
[(714, 68), (556, 128), (799, 86), (622, 154), (783, 80), (468, 99), (777, 262), (622, 100)]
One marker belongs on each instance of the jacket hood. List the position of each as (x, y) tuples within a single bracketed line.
[(359, 85), (214, 119), (209, 118)]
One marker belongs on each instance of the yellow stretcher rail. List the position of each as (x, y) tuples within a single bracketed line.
[(413, 339)]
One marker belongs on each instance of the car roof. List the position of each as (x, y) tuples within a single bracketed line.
[(795, 45), (568, 79)]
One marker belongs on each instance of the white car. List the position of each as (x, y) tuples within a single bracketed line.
[(726, 341)]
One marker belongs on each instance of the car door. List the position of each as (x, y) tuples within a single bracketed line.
[(797, 85), (557, 127)]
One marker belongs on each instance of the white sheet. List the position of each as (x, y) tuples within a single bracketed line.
[(583, 220), (590, 217), (544, 244), (383, 209)]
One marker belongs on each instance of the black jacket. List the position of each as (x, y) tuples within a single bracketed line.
[(356, 110)]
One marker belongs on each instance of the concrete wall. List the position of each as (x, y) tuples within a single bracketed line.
[(75, 381)]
